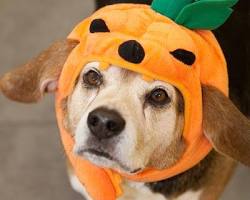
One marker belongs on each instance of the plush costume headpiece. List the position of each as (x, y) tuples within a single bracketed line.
[(169, 41)]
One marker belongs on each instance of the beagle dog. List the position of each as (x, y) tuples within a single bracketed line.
[(119, 99), (224, 125)]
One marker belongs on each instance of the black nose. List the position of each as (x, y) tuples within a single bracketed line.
[(104, 123), (132, 51)]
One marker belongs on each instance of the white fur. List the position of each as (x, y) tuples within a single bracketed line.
[(77, 186), (190, 195), (138, 191)]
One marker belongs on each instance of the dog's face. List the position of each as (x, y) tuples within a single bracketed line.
[(121, 121)]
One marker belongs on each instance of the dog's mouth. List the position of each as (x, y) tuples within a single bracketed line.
[(98, 153), (105, 155)]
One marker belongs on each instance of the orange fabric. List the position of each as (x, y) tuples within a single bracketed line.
[(158, 35)]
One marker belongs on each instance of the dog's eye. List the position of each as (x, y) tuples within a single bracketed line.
[(92, 78), (158, 97), (98, 26)]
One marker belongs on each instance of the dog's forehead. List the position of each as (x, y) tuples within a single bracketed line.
[(118, 77), (112, 71), (120, 74), (125, 76)]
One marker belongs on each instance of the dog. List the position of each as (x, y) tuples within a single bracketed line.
[(92, 99), (125, 104)]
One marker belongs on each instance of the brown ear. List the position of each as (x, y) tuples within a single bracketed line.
[(225, 126), (29, 82)]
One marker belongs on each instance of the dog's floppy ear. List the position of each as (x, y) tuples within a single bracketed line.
[(29, 82), (225, 126)]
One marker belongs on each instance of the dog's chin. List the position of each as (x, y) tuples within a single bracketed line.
[(104, 160)]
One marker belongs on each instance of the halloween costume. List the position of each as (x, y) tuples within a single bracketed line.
[(164, 43)]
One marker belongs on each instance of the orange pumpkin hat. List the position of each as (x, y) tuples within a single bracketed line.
[(159, 46)]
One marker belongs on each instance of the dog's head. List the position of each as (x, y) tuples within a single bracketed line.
[(121, 119)]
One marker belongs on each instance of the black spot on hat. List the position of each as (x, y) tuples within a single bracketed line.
[(132, 51), (187, 57), (98, 26)]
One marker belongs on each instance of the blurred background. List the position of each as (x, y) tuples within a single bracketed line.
[(32, 165)]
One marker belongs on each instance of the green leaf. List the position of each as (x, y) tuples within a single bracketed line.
[(205, 14), (170, 8)]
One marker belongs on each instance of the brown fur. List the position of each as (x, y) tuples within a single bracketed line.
[(217, 177), (65, 122), (203, 176), (24, 84), (225, 126), (171, 155)]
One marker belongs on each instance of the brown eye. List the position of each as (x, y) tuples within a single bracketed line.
[(92, 78), (158, 97)]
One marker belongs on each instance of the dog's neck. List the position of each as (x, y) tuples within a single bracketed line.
[(193, 179), (204, 181), (190, 182)]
